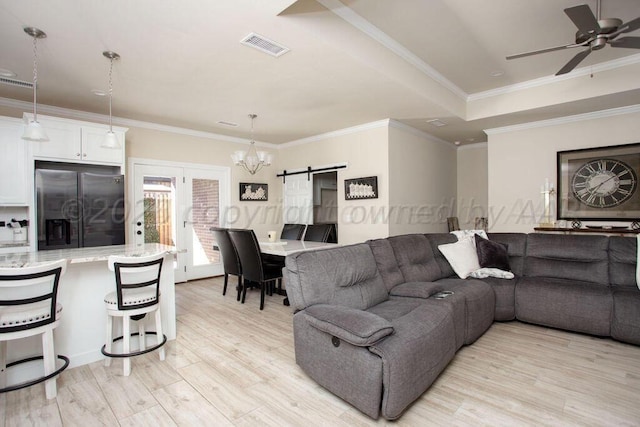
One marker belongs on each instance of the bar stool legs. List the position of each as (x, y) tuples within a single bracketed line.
[(29, 307), (127, 352), (137, 295)]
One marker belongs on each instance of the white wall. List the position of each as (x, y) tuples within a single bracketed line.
[(422, 182), (519, 161), (260, 216), (472, 191), (366, 153)]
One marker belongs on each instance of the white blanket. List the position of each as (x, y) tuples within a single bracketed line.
[(638, 261), (491, 272)]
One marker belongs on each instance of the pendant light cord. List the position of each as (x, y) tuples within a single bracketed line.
[(110, 94), (35, 78)]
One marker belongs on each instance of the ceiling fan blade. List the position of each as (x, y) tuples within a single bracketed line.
[(551, 49), (628, 42), (627, 27), (583, 18), (574, 62)]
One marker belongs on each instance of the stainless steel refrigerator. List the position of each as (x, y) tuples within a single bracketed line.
[(76, 208)]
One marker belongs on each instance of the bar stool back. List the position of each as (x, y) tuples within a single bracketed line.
[(28, 307), (137, 293)]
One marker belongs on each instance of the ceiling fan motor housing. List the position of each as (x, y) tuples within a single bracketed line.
[(607, 26)]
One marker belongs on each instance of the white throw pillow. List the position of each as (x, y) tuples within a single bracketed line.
[(462, 256)]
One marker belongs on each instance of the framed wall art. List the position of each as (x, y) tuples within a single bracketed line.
[(361, 188), (254, 192), (599, 183)]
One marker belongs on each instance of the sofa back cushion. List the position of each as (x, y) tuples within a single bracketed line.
[(516, 248), (622, 261), (387, 263), (436, 240), (347, 276), (415, 258), (579, 258)]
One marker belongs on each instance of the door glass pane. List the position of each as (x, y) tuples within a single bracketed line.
[(159, 210), (205, 213)]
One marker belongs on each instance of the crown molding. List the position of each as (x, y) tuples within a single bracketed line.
[(474, 146), (381, 37), (419, 133), (542, 81), (336, 133), (568, 119), (96, 117)]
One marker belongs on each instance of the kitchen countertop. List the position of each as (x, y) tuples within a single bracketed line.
[(81, 255)]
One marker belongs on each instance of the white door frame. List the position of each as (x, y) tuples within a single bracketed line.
[(183, 258)]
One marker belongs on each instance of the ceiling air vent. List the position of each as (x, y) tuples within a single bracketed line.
[(223, 122), (265, 45), (14, 82)]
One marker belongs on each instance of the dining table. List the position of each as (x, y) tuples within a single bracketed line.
[(277, 251)]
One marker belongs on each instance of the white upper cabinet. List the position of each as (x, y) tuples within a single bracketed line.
[(14, 179), (92, 150), (77, 142)]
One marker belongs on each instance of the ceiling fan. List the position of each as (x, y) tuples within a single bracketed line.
[(593, 34)]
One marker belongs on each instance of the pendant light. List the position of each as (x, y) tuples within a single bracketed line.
[(111, 139), (34, 130), (251, 160)]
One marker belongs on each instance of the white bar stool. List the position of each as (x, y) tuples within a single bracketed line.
[(28, 307), (137, 294)]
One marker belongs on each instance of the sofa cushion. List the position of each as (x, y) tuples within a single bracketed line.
[(576, 258), (622, 261), (492, 254), (462, 256), (625, 325), (415, 258), (573, 305), (346, 276), (357, 327), (436, 240), (386, 261), (516, 248)]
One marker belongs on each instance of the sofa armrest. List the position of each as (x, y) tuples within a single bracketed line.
[(356, 327), (416, 289)]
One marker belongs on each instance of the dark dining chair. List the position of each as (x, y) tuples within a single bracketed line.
[(230, 259), (318, 232), (292, 231), (253, 268)]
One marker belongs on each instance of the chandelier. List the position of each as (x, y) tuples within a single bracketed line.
[(251, 159)]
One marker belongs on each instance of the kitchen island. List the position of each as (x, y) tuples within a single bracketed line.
[(81, 292)]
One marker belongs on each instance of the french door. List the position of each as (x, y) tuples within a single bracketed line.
[(176, 204)]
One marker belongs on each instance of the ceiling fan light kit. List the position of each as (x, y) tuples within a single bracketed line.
[(593, 34)]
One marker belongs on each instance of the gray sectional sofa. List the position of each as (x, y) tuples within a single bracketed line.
[(374, 325)]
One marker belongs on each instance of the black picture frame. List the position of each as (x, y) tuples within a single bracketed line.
[(361, 188), (253, 192), (599, 184)]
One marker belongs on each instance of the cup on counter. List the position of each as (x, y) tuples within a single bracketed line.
[(272, 235)]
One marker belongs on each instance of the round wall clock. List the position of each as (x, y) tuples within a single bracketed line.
[(604, 183)]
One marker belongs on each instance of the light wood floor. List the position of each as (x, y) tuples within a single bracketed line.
[(234, 365)]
